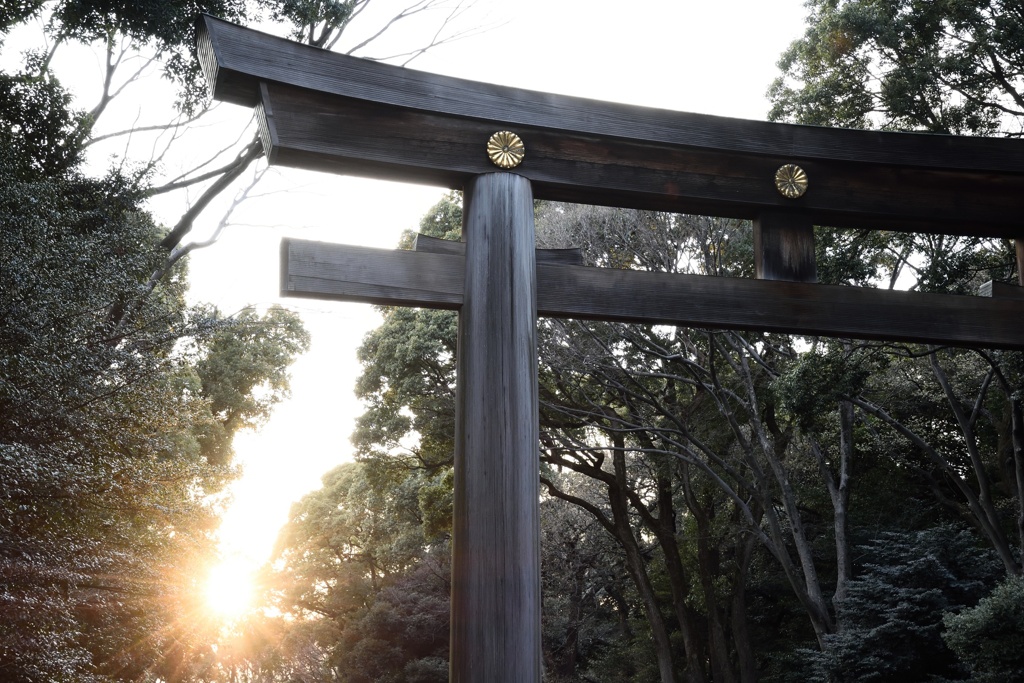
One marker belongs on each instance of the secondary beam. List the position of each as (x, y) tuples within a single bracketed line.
[(328, 271)]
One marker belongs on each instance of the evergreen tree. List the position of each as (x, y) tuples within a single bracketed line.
[(892, 615), (987, 637)]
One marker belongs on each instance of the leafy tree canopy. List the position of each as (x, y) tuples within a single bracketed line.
[(988, 636), (893, 613), (39, 131), (112, 391), (952, 66)]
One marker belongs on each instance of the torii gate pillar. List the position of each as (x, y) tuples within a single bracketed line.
[(496, 599)]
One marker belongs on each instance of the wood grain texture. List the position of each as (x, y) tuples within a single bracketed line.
[(433, 130), (317, 270), (238, 58), (784, 247), (662, 298), (778, 306), (495, 617), (434, 245), (345, 135), (1002, 290), (1019, 242)]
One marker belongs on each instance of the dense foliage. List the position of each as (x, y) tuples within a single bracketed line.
[(110, 404), (111, 401), (119, 401), (987, 637), (945, 67)]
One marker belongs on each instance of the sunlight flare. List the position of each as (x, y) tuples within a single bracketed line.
[(229, 589)]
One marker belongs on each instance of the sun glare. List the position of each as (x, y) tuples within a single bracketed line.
[(229, 590)]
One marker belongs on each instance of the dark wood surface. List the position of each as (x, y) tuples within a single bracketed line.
[(432, 129), (1002, 290), (315, 270), (306, 129), (434, 245), (387, 277), (496, 620), (335, 113), (778, 306), (236, 59), (784, 247)]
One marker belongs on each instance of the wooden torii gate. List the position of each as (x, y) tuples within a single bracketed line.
[(504, 147)]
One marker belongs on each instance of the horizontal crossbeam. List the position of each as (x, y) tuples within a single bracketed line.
[(433, 245), (324, 111), (435, 280)]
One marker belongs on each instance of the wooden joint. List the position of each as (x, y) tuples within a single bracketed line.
[(1020, 260), (784, 247), (1001, 290), (435, 245), (1007, 290)]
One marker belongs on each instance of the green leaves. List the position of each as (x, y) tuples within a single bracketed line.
[(893, 615), (165, 27), (104, 514), (167, 23), (244, 372), (313, 21), (39, 132), (811, 387), (353, 564), (408, 379), (988, 636), (942, 67)]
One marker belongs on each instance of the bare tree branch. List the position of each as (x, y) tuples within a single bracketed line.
[(245, 157), (143, 129)]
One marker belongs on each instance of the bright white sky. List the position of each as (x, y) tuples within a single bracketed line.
[(709, 56)]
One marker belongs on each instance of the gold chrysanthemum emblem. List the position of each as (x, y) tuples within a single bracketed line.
[(791, 181), (505, 149)]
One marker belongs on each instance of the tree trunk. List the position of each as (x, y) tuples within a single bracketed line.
[(565, 664), (708, 563), (635, 562), (663, 528), (1017, 439), (618, 525), (740, 632), (841, 504)]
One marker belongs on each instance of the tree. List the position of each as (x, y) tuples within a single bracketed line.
[(145, 44), (105, 514), (986, 637), (120, 401), (703, 404), (585, 609), (244, 373), (365, 560), (355, 571), (942, 67), (893, 614), (706, 456), (634, 435), (949, 67)]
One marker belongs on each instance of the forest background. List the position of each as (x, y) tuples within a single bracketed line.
[(718, 506)]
